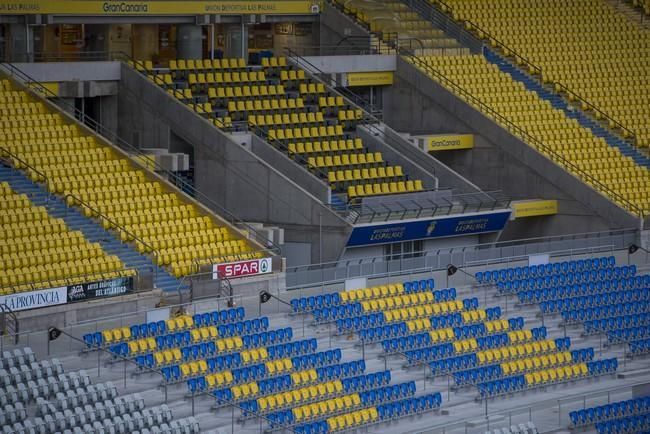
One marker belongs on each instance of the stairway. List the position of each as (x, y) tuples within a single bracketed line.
[(559, 103), (91, 229)]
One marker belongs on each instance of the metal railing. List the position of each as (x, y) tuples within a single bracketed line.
[(477, 255), (488, 110), (426, 9), (112, 137), (416, 208), (371, 122)]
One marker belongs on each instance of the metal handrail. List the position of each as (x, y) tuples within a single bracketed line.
[(175, 179), (531, 139), (534, 69), (371, 121), (473, 248)]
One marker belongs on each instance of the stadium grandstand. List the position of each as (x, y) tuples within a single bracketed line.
[(324, 216)]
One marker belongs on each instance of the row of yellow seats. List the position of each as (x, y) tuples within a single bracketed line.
[(200, 64), (26, 122), (77, 142), (331, 101), (311, 88), (31, 109), (231, 247), (286, 119), (274, 62), (188, 254), (14, 201), (27, 259), (201, 108), (374, 173), (99, 179), (379, 291), (325, 146), (306, 133), (354, 419), (226, 78), (423, 311), (234, 92), (409, 186), (98, 194), (60, 147), (350, 115), (338, 160), (396, 301), (166, 241), (8, 286), (41, 242), (200, 224), (299, 395), (48, 159), (322, 408), (19, 230), (224, 122), (36, 133), (517, 351), (561, 373), (23, 215), (292, 75), (185, 267), (256, 105), (14, 98), (62, 270)]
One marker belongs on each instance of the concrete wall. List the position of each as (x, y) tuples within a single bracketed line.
[(71, 71), (339, 30), (500, 161), (338, 64), (228, 173)]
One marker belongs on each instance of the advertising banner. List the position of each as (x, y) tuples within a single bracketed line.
[(429, 228), (234, 270), (100, 289), (35, 299)]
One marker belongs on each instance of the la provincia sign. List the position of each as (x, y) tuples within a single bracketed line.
[(234, 270), (35, 299)]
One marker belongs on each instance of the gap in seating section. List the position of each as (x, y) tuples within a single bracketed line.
[(298, 115), (105, 185)]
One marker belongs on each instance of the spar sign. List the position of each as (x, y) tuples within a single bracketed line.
[(233, 270)]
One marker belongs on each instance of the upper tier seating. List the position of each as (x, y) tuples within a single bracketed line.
[(293, 112), (396, 22), (594, 50), (592, 160), (38, 251), (75, 163)]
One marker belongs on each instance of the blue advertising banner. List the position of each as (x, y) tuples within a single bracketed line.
[(430, 228)]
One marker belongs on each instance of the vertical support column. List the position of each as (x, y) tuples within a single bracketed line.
[(237, 39), (189, 44)]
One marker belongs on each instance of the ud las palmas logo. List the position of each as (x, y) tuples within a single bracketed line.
[(431, 228)]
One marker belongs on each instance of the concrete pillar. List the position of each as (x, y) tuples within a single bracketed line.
[(236, 41), (96, 38), (21, 43), (189, 43), (145, 41)]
